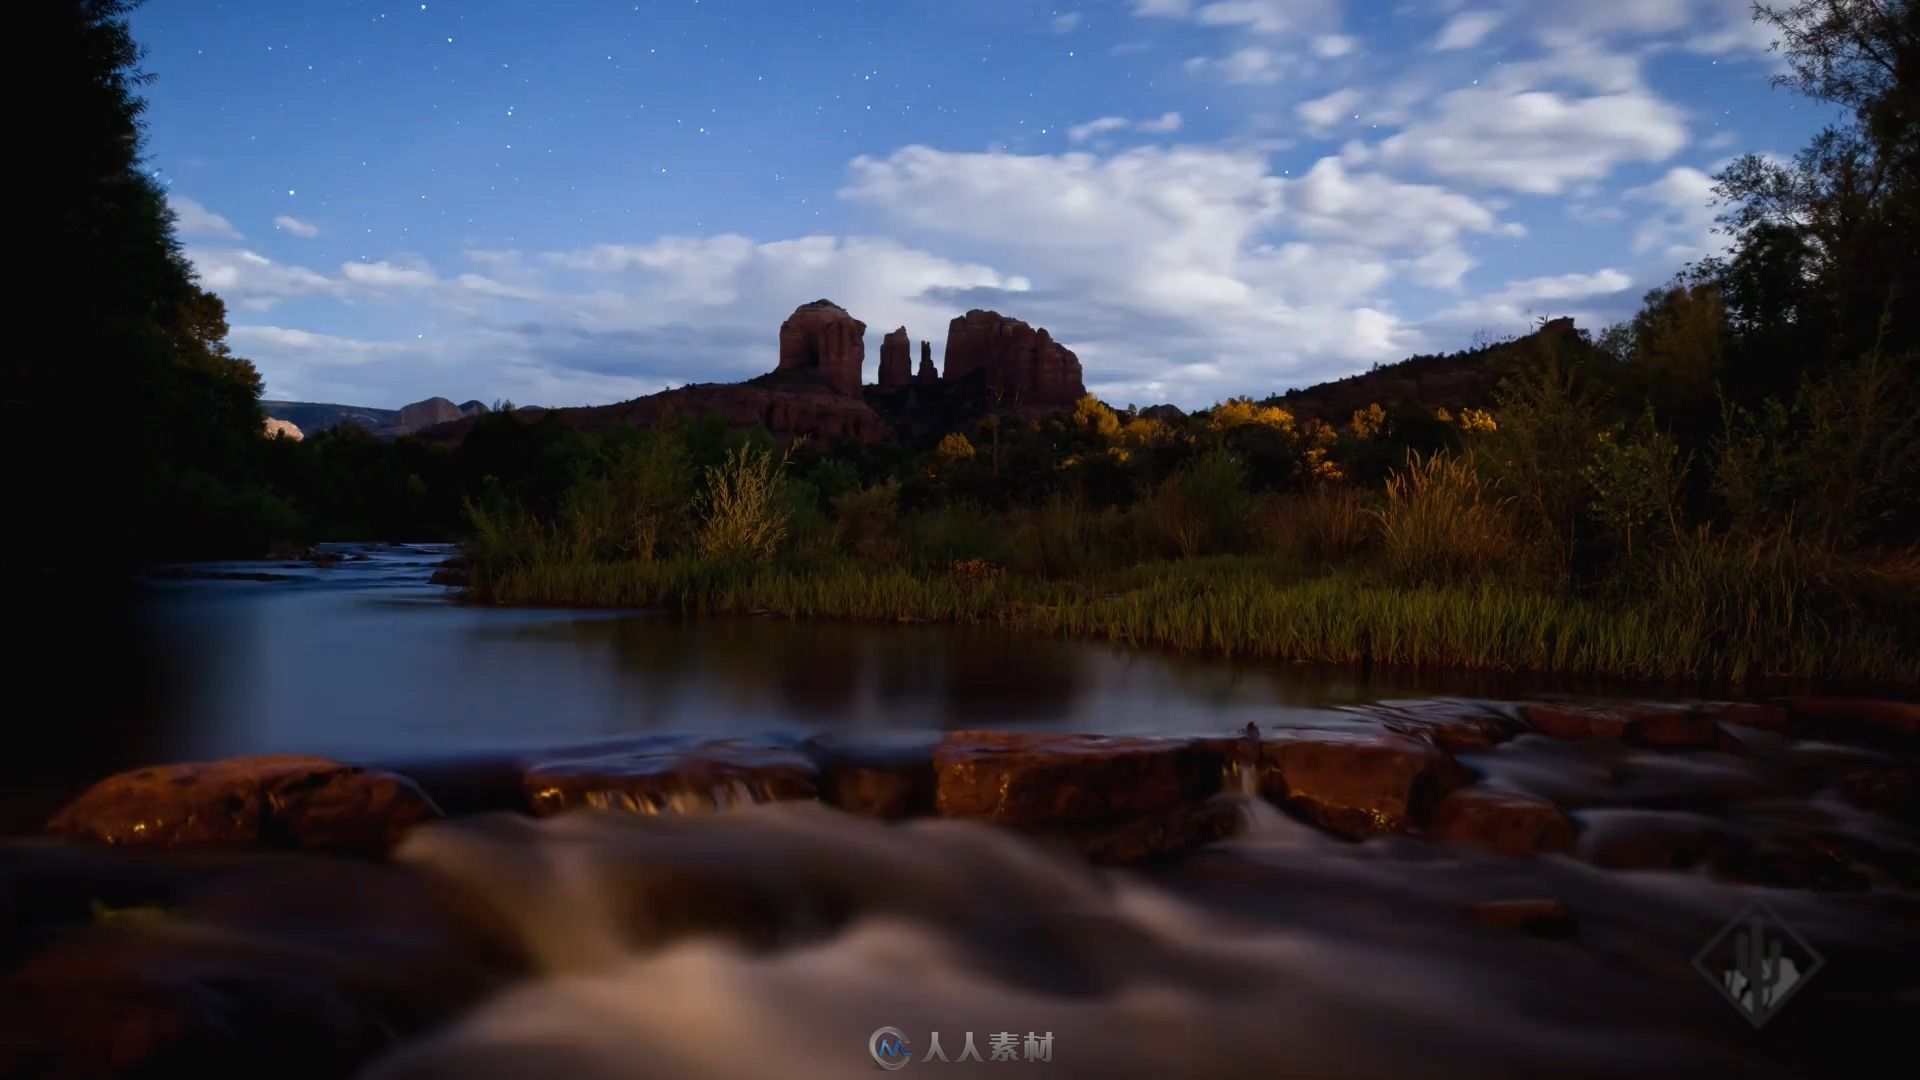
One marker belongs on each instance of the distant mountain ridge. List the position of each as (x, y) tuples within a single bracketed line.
[(1453, 381), (313, 417)]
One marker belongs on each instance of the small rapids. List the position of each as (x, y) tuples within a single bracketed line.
[(772, 941)]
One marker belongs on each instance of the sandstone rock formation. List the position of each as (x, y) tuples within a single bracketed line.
[(1021, 365), (283, 429), (1030, 780), (896, 359), (927, 374), (275, 801), (823, 339), (1505, 822), (425, 414), (657, 780)]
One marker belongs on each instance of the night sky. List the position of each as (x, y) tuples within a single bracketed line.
[(575, 202)]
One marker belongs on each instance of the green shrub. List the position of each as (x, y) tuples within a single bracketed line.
[(865, 522), (741, 514), (1638, 478), (1061, 537), (1325, 523), (1203, 507), (1439, 523)]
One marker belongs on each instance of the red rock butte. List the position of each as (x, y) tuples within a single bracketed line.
[(1021, 365), (823, 339), (896, 359)]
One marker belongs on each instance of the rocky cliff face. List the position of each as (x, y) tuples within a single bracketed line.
[(1017, 364), (820, 338), (311, 418), (1424, 383), (993, 362), (425, 414), (896, 359), (788, 407)]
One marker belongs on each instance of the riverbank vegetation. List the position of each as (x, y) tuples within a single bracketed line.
[(1726, 486)]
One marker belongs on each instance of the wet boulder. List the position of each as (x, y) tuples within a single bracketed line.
[(307, 803), (668, 779), (886, 778), (1357, 784), (1660, 724), (1855, 717), (1045, 780), (1765, 716), (1456, 725), (1501, 821)]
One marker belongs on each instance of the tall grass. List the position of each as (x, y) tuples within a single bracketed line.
[(1327, 522), (1440, 524), (741, 516), (1260, 608)]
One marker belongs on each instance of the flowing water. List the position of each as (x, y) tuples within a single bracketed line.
[(1280, 953), (776, 940)]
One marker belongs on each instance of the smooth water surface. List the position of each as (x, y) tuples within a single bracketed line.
[(367, 658)]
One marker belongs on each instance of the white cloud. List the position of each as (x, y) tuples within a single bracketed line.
[(193, 219), (1333, 46), (1182, 273), (1706, 26), (1380, 213), (297, 227), (1153, 125), (253, 338), (252, 281), (387, 274), (1067, 22), (1517, 306), (1253, 64), (1537, 141), (1682, 223), (1093, 128), (1323, 114), (1192, 255), (1441, 268), (1467, 29)]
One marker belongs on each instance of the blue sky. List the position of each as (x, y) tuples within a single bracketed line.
[(573, 202)]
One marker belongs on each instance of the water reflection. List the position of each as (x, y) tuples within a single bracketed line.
[(365, 658)]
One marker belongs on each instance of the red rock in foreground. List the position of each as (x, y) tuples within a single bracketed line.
[(1500, 821), (1043, 780), (1455, 725), (1357, 784), (274, 801), (822, 338), (1847, 716), (724, 772)]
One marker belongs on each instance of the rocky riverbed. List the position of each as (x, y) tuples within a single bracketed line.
[(1462, 887)]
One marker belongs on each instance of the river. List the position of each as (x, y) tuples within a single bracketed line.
[(776, 940)]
